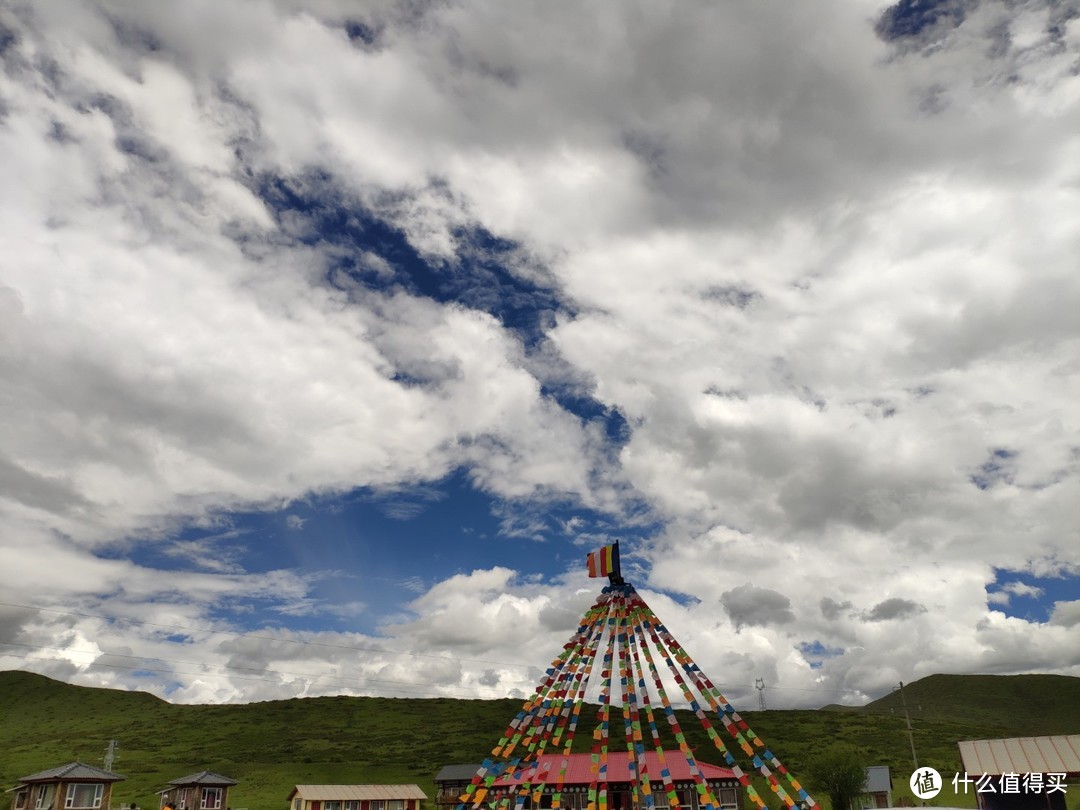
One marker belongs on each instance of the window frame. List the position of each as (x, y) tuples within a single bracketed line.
[(45, 796), (73, 788), (217, 793), (730, 794)]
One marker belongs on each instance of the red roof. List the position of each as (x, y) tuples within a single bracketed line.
[(579, 769)]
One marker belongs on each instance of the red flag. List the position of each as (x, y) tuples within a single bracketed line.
[(602, 562)]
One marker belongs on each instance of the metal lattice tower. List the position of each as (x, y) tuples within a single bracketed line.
[(759, 684)]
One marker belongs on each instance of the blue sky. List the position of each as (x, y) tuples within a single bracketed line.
[(384, 549), (333, 339)]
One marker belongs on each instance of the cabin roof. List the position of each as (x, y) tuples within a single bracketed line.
[(73, 771), (357, 792), (204, 778), (1060, 754)]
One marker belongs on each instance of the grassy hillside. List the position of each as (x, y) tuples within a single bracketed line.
[(1025, 704), (269, 747)]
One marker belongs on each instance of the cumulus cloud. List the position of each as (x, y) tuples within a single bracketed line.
[(1066, 614), (895, 608), (831, 609), (750, 605), (1018, 588), (817, 267)]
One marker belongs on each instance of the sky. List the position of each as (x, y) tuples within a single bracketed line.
[(333, 337)]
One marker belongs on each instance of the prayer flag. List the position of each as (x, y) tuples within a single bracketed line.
[(602, 562)]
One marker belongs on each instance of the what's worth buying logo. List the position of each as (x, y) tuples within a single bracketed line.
[(925, 783)]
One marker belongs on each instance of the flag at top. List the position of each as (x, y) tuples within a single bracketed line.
[(603, 562)]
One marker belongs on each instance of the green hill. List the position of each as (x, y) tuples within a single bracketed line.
[(1025, 704), (269, 747)]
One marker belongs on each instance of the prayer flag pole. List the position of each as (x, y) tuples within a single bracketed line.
[(615, 577)]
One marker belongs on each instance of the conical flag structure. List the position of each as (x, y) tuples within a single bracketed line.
[(621, 643)]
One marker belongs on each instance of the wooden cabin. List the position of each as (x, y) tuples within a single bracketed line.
[(1019, 773), (204, 790), (450, 782), (356, 797), (877, 789), (74, 786)]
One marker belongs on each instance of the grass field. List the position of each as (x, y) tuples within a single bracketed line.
[(269, 747)]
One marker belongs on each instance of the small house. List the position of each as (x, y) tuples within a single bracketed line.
[(74, 786), (204, 790), (356, 797), (1019, 773), (450, 782), (877, 789)]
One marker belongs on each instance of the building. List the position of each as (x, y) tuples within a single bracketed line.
[(877, 790), (70, 787), (451, 782), (356, 797), (204, 790), (454, 779), (1021, 773)]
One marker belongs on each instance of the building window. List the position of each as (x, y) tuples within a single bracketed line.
[(211, 798), (376, 804), (395, 804), (354, 805), (20, 799), (81, 796), (296, 803), (45, 795), (727, 797), (331, 805)]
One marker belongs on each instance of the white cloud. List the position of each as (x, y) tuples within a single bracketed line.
[(1017, 588), (828, 281), (1066, 613)]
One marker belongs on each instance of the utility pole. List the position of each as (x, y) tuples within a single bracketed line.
[(759, 684), (110, 758), (910, 731), (110, 755)]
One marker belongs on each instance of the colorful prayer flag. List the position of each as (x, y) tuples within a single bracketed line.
[(602, 562)]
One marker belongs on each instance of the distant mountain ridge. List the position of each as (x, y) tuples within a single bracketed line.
[(271, 746)]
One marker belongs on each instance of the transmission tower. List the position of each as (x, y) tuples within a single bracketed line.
[(759, 684)]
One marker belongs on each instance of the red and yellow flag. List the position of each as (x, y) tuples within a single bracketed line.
[(602, 561)]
